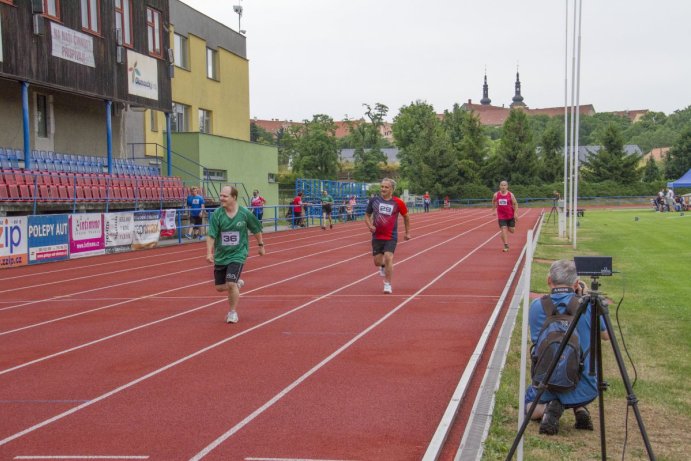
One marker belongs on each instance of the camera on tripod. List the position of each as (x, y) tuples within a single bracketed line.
[(593, 266)]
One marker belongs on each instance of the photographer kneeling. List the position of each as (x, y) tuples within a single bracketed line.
[(564, 284)]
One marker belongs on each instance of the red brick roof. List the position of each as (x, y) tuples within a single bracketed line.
[(633, 115), (496, 116), (342, 128)]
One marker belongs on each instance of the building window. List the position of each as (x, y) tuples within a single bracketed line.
[(179, 118), (42, 116), (51, 8), (181, 50), (272, 178), (154, 120), (153, 31), (91, 22), (211, 64), (123, 20), (204, 121), (215, 175)]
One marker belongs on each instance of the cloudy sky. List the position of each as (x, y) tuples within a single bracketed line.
[(331, 56)]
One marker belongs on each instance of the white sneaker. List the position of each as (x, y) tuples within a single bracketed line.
[(387, 288), (232, 317), (241, 283), (382, 271)]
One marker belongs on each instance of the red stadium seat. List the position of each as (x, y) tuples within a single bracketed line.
[(43, 192), (13, 191), (80, 192), (26, 192), (62, 193), (87, 193), (4, 194)]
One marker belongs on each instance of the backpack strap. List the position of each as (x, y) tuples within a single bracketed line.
[(550, 309)]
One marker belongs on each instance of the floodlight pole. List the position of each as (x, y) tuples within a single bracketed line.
[(573, 153)]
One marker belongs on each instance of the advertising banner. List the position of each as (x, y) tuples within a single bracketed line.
[(147, 228), (49, 238), (86, 235), (72, 45), (142, 75), (13, 241), (119, 230), (168, 223)]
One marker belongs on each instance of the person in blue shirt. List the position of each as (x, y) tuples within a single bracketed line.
[(564, 284), (195, 204)]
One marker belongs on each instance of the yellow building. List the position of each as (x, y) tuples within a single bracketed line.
[(210, 117)]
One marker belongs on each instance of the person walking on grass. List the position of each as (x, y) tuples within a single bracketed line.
[(381, 218), (227, 245), (504, 204), (327, 208)]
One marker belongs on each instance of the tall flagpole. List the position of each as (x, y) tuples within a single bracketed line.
[(562, 227), (578, 121), (572, 153)]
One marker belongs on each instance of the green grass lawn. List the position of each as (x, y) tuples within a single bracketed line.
[(652, 253)]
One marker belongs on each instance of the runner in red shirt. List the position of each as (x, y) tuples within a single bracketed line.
[(505, 205), (381, 218)]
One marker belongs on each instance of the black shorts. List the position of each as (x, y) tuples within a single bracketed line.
[(507, 222), (326, 208), (227, 274), (379, 247), (196, 220)]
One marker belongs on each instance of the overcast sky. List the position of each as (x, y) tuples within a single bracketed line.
[(330, 56)]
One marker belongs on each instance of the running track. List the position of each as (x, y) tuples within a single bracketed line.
[(128, 357)]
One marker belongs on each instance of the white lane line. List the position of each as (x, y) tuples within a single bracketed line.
[(295, 459), (82, 457), (209, 448), (186, 286), (214, 345)]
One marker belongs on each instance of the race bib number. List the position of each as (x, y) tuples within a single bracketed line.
[(385, 209), (231, 238), (503, 201)]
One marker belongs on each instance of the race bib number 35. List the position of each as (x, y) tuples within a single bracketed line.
[(231, 238)]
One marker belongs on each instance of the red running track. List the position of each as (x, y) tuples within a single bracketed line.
[(128, 357)]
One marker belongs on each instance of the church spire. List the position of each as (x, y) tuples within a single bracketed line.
[(517, 98), (485, 101)]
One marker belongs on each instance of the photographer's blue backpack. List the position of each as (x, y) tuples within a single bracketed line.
[(568, 370)]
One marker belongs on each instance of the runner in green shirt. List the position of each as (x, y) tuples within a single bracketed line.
[(327, 206), (227, 245)]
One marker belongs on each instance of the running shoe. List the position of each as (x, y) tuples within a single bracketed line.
[(241, 283), (323, 228), (331, 226), (382, 271), (232, 317), (506, 248), (387, 288), (201, 237)]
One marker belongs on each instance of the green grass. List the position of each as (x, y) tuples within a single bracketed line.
[(652, 253)]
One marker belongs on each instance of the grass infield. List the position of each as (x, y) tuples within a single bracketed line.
[(652, 253)]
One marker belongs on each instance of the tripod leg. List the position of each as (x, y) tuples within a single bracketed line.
[(631, 399)]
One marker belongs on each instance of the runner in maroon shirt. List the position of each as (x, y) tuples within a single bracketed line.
[(381, 218), (505, 205)]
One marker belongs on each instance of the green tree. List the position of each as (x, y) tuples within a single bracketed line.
[(651, 172), (317, 148), (611, 162), (287, 140), (260, 135), (469, 141), (517, 161), (367, 139), (551, 152), (428, 161), (678, 159)]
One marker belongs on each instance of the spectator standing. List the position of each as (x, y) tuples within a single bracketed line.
[(564, 284), (505, 206), (195, 205), (257, 202), (297, 210), (327, 208), (350, 208), (381, 218), (670, 199), (227, 246), (426, 202)]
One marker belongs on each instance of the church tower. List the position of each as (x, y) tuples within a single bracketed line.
[(485, 101), (517, 98)]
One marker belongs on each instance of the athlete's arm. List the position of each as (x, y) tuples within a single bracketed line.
[(406, 222), (210, 249)]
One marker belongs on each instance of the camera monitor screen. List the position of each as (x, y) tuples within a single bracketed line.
[(593, 265)]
